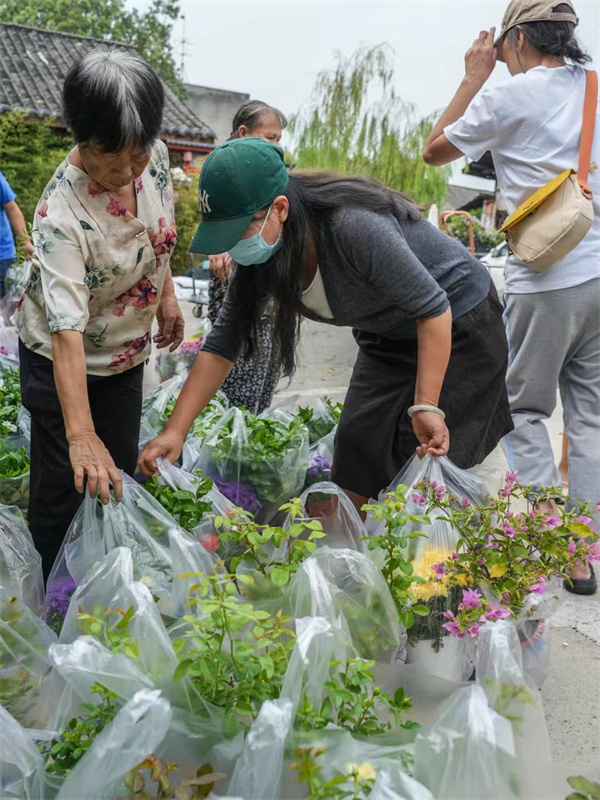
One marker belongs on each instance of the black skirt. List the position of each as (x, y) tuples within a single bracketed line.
[(375, 438)]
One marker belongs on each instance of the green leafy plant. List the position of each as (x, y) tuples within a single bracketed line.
[(10, 401), (111, 627), (355, 783), (269, 556), (188, 507), (484, 240), (21, 650), (80, 733), (322, 421), (584, 789), (236, 655), (394, 543), (513, 555), (14, 478), (353, 702), (196, 788)]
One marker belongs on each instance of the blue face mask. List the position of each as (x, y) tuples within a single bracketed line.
[(255, 250)]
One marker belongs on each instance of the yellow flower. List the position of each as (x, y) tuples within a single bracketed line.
[(364, 772)]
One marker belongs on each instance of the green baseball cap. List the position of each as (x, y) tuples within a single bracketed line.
[(238, 179)]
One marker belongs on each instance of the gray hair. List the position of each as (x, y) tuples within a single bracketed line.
[(250, 114), (114, 99)]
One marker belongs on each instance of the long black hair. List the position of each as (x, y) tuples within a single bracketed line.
[(556, 38), (313, 199)]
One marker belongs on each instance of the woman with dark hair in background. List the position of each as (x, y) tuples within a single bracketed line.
[(348, 251), (103, 232), (252, 381), (532, 125)]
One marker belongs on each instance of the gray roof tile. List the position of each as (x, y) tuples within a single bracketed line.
[(33, 66)]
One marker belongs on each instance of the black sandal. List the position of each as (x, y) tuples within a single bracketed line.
[(583, 586)]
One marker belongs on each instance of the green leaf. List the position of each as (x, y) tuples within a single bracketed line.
[(279, 576), (580, 529), (421, 611), (406, 567), (584, 786), (399, 696), (578, 796), (182, 669)]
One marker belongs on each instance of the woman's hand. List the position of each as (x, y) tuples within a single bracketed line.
[(168, 445), (90, 457), (171, 324), (481, 58), (432, 433), (221, 266)]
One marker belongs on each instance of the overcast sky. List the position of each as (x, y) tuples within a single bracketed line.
[(273, 49)]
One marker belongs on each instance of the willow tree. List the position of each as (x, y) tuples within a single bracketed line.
[(356, 124)]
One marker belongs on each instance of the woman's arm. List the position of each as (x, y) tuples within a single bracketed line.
[(434, 335), (204, 381), (87, 452), (19, 228), (171, 323), (480, 61)]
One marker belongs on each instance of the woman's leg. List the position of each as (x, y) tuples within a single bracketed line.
[(116, 404), (53, 499)]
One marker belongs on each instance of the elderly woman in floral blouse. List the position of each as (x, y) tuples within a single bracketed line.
[(104, 231)]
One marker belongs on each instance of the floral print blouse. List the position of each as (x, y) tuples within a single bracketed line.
[(98, 269)]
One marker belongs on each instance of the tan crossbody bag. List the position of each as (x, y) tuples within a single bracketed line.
[(552, 222)]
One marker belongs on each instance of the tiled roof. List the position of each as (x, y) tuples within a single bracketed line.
[(33, 66), (461, 197)]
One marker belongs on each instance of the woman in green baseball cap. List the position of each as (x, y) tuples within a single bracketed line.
[(347, 251)]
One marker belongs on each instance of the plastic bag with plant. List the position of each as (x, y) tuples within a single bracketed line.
[(20, 562), (20, 760)]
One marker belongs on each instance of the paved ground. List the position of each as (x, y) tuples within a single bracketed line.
[(571, 694)]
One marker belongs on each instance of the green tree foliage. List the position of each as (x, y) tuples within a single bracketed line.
[(484, 241), (31, 151), (355, 124), (187, 218), (148, 31)]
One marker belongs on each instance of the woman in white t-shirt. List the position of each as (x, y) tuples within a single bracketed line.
[(532, 126)]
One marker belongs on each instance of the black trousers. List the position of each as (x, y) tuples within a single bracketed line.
[(116, 405), (375, 437)]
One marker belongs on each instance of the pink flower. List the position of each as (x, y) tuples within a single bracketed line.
[(511, 477), (439, 569), (480, 561), (210, 542), (473, 630), (505, 598), (572, 547), (508, 529), (465, 502), (584, 519), (471, 599), (539, 587), (448, 614), (419, 499), (506, 491), (553, 522), (453, 629), (597, 507), (494, 613), (491, 543), (455, 556), (593, 553)]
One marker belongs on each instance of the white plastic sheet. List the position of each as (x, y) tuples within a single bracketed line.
[(20, 760), (20, 562), (328, 504)]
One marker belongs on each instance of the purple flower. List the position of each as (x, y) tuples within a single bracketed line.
[(440, 491), (453, 629), (318, 466), (241, 494), (465, 502), (494, 613), (511, 477), (419, 499), (539, 587), (505, 598), (448, 614), (553, 522), (190, 348), (480, 561), (492, 544), (593, 553), (584, 519), (508, 529), (597, 507), (439, 569), (58, 599), (572, 547), (471, 599), (455, 556), (474, 629)]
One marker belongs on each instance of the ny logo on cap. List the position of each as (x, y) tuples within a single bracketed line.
[(203, 200)]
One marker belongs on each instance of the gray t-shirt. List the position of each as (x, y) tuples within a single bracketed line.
[(380, 276)]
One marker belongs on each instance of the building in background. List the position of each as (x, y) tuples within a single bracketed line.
[(216, 105), (33, 67)]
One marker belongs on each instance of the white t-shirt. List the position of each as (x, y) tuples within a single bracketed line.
[(532, 126), (315, 298)]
